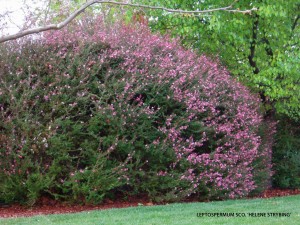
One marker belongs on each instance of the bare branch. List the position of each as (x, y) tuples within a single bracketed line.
[(47, 11), (92, 2), (5, 14)]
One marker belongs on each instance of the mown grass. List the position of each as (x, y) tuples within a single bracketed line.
[(183, 214)]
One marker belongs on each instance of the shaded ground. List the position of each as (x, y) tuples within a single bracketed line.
[(46, 206)]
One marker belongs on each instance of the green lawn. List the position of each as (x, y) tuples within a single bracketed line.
[(181, 214)]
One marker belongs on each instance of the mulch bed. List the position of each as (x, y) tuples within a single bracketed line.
[(47, 206)]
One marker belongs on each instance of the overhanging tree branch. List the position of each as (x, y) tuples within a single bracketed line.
[(92, 2)]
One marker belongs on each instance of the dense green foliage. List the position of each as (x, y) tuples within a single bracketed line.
[(85, 120), (261, 49), (90, 111)]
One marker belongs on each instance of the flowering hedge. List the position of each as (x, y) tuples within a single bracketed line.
[(91, 111)]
